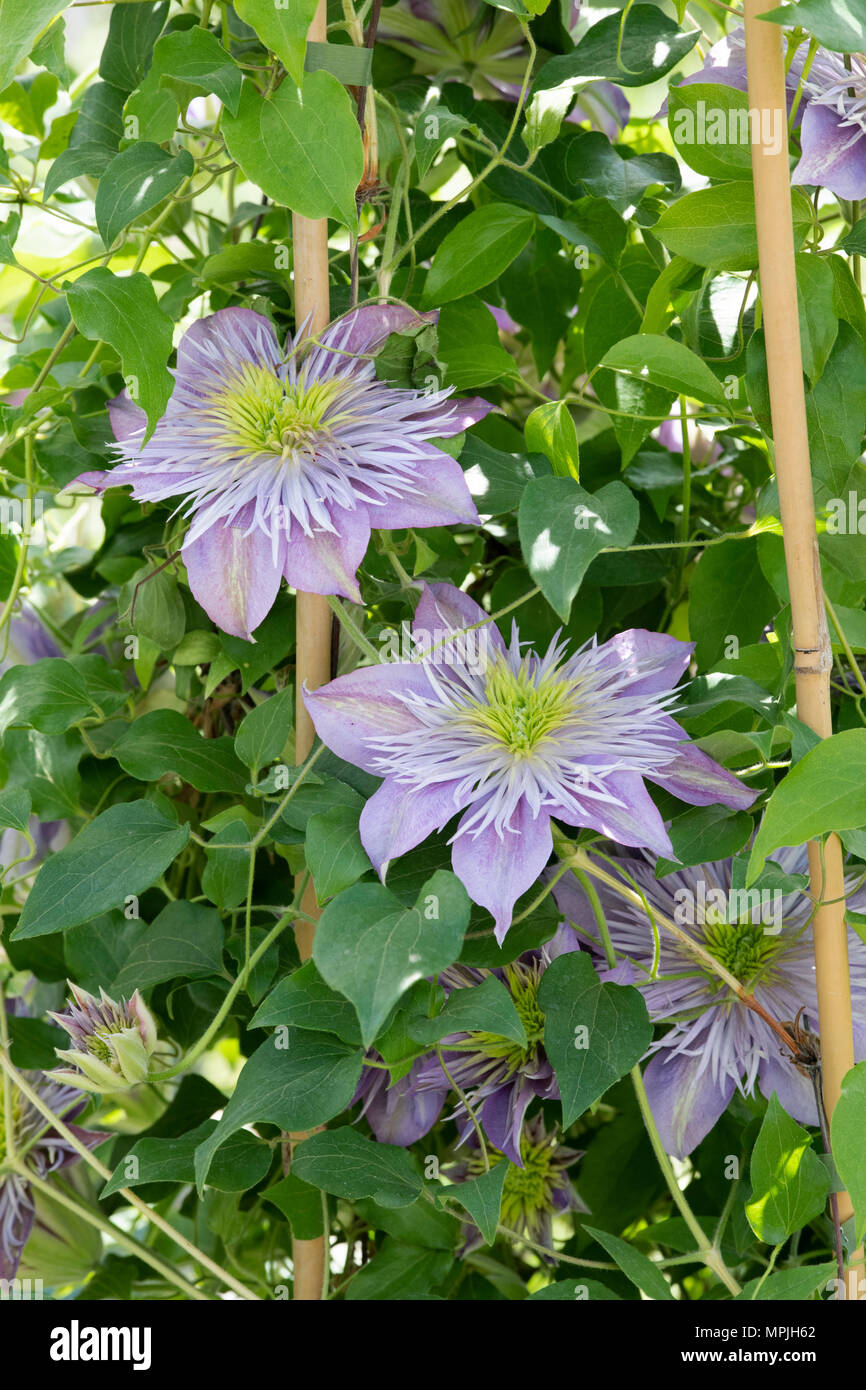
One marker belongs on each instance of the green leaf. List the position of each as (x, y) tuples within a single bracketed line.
[(571, 1290), (132, 32), (634, 1265), (469, 346), (790, 1184), (606, 171), (729, 598), (482, 1198), (241, 1163), (305, 154), (343, 1162), (372, 950), (709, 124), (21, 23), (123, 312), (335, 856), (496, 479), (196, 58), (847, 1128), (665, 363), (264, 732), (399, 1272), (716, 226), (282, 30), (476, 251), (15, 804), (837, 24), (90, 158), (153, 599), (350, 63), (295, 1080), (47, 766), (485, 1008), (120, 853), (705, 834), (819, 325), (433, 126), (226, 874), (824, 791), (794, 1285), (550, 430), (51, 696), (164, 741), (631, 54), (593, 1033), (300, 1204), (135, 181), (562, 529), (185, 941), (303, 1000)]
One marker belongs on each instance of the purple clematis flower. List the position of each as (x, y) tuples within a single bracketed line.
[(533, 1194), (716, 1045), (502, 1076), (401, 1113), (43, 1151), (285, 459), (112, 1042), (831, 113), (510, 739), (467, 41)]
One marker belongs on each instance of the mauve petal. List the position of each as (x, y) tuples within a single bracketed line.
[(663, 658), (326, 562), (366, 328), (796, 1096), (209, 343), (684, 1100), (364, 705), (443, 607), (234, 577), (694, 777), (125, 416), (828, 160), (397, 818), (636, 822), (501, 1116), (504, 322), (97, 478), (456, 415), (401, 1114), (496, 869), (16, 1222), (439, 497)]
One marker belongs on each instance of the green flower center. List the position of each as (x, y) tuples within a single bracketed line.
[(261, 414), (517, 712), (743, 948)]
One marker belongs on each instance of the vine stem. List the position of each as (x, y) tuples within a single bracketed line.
[(709, 1254), (312, 644), (810, 636), (129, 1196)]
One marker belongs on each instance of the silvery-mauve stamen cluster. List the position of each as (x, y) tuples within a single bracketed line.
[(507, 739), (112, 1042), (716, 1045), (284, 459), (42, 1151)]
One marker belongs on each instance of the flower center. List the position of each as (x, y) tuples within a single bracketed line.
[(261, 414), (743, 948), (519, 710), (528, 1191)]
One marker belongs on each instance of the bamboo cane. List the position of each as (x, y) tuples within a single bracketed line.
[(313, 625), (811, 641)]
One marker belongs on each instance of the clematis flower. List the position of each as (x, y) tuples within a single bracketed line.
[(509, 739), (466, 41), (284, 459), (112, 1042), (831, 113), (503, 1076), (401, 1113), (715, 1044), (534, 1194), (43, 1151)]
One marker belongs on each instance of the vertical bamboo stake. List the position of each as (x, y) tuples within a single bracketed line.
[(313, 625), (811, 642)]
